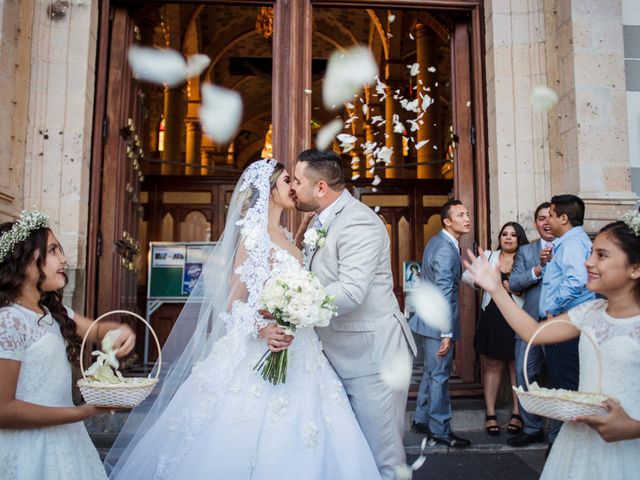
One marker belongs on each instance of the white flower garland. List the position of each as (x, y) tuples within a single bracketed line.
[(632, 219), (27, 223)]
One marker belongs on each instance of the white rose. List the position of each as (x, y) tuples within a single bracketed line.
[(311, 237)]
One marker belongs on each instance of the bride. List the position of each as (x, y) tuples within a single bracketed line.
[(213, 416)]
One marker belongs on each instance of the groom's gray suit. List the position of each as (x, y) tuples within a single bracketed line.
[(369, 331)]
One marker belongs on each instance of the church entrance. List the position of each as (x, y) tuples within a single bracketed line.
[(417, 136)]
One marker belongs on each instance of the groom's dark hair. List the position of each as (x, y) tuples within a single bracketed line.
[(324, 165)]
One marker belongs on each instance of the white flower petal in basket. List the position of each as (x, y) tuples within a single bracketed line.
[(561, 404), (116, 391)]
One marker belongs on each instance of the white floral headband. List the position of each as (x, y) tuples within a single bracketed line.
[(27, 223), (632, 219)]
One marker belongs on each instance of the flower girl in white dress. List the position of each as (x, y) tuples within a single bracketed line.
[(612, 448), (214, 416), (41, 431)]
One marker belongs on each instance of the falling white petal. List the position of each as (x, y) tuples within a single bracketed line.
[(346, 138), (347, 73), (365, 108), (423, 445), (418, 463), (327, 133), (468, 104), (411, 36), (220, 113), (196, 64), (307, 91), (377, 119), (414, 124), (355, 161), (374, 189), (384, 155), (391, 18), (431, 306), (426, 102), (398, 128), (421, 144), (435, 147), (376, 209), (380, 89), (355, 176), (396, 372), (164, 67), (414, 69), (431, 69), (543, 98), (349, 105), (376, 181)]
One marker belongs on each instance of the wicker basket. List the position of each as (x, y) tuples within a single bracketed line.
[(555, 406), (117, 395)]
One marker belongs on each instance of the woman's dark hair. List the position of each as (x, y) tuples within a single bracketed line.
[(624, 237), (520, 233), (13, 270)]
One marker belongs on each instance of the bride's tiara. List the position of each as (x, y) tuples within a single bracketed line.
[(27, 223), (632, 219)]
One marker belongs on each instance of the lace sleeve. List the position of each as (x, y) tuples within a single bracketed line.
[(581, 314), (13, 335)]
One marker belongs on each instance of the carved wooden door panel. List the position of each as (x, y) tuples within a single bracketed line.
[(118, 179)]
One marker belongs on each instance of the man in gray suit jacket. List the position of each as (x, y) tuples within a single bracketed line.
[(526, 277), (348, 248), (441, 266)]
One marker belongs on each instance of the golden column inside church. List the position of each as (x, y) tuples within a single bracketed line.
[(193, 147), (174, 101), (426, 57), (392, 140)]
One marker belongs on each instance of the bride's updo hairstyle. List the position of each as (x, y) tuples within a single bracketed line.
[(628, 240), (13, 273)]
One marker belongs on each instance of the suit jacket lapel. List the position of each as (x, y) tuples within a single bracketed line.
[(342, 202)]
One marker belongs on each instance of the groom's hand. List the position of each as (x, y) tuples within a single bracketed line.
[(276, 339), (445, 345)]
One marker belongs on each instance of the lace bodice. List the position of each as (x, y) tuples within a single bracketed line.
[(618, 341), (36, 342)]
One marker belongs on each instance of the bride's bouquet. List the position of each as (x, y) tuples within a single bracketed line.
[(297, 300)]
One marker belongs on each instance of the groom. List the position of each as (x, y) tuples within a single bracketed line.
[(347, 247)]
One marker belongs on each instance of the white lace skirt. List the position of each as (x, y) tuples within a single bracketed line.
[(226, 422), (63, 452), (580, 453)]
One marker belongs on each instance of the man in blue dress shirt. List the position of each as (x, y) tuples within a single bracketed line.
[(564, 279)]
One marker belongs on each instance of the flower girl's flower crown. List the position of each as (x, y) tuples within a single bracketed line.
[(27, 223), (632, 219)]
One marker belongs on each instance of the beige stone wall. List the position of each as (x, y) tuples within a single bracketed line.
[(51, 104), (518, 141), (588, 128), (579, 146)]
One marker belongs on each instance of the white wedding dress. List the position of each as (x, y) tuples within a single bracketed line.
[(58, 452), (579, 452), (225, 422)]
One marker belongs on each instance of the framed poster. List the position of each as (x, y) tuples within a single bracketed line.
[(411, 276)]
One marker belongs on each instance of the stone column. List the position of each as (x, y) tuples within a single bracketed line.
[(369, 137), (425, 57), (392, 140), (173, 121), (589, 127), (205, 161), (194, 142)]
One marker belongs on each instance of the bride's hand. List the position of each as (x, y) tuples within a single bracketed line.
[(276, 339), (306, 220), (482, 273)]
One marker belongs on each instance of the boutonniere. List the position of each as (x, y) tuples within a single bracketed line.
[(315, 238)]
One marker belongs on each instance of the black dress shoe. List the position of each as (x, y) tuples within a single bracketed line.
[(523, 439), (452, 441), (420, 428)]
